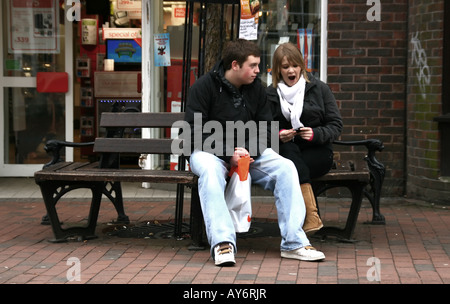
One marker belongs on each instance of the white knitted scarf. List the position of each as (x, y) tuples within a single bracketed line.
[(291, 100)]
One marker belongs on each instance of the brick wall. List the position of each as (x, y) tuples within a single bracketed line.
[(425, 62), (367, 73)]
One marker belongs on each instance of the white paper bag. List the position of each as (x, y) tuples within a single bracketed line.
[(238, 198)]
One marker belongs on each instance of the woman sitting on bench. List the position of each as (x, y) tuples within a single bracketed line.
[(309, 122)]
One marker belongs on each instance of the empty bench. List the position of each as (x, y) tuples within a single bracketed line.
[(104, 177)]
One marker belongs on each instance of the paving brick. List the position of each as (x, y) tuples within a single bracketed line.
[(413, 248)]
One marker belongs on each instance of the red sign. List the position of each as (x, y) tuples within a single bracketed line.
[(52, 82), (179, 12)]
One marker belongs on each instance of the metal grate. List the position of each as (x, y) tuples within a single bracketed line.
[(156, 230)]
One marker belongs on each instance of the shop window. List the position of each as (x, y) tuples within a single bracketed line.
[(31, 118), (33, 38), (33, 43), (296, 21)]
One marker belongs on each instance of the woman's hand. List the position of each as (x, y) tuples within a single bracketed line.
[(287, 135), (306, 133)]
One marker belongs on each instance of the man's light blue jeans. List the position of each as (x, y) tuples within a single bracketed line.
[(272, 172)]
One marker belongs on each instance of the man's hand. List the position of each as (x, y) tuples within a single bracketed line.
[(238, 153)]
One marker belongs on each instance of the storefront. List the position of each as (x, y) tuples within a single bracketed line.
[(65, 62)]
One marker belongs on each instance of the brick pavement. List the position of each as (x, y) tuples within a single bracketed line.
[(412, 248)]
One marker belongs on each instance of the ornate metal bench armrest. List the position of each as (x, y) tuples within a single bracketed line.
[(372, 145), (377, 172), (53, 147)]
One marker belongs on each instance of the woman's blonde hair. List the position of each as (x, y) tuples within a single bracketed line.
[(293, 56)]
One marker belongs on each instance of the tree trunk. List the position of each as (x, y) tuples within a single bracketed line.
[(212, 39)]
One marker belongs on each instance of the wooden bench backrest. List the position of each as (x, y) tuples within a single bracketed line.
[(136, 120), (140, 120)]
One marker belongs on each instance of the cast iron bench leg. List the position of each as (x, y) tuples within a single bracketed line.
[(345, 234), (357, 196), (374, 194), (51, 193), (114, 194), (377, 173)]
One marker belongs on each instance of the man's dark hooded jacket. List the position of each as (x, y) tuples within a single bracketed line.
[(218, 100)]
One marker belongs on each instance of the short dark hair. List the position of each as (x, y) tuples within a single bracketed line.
[(239, 50)]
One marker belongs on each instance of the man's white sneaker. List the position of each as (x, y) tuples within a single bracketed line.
[(307, 253), (224, 254)]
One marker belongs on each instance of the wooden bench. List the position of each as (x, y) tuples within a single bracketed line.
[(104, 177)]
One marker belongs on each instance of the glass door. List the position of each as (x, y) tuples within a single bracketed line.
[(35, 91)]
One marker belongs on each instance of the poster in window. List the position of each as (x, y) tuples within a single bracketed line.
[(305, 45), (162, 50), (33, 26), (248, 28), (89, 31)]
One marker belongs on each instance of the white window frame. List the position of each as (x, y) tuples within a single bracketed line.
[(27, 170)]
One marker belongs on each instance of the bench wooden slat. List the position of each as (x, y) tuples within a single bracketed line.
[(58, 166), (89, 173), (139, 120), (66, 166), (74, 166), (133, 145), (93, 165), (363, 176)]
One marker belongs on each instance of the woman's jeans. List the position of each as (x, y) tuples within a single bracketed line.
[(270, 171)]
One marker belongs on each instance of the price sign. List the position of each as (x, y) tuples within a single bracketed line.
[(33, 26)]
